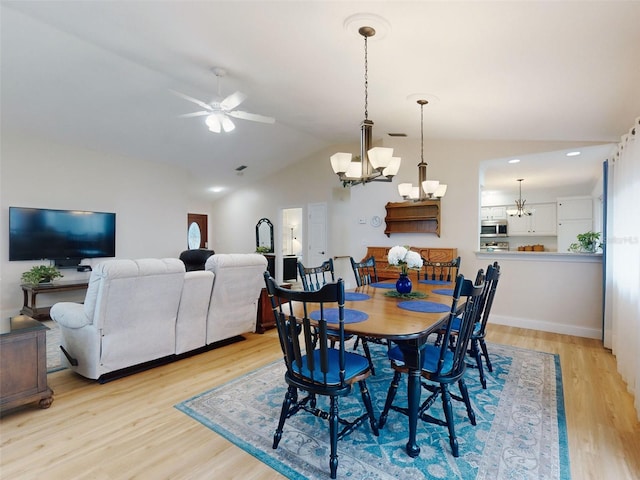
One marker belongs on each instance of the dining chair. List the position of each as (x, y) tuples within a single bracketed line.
[(477, 345), (313, 278), (365, 271), (313, 365), (366, 274), (439, 271), (441, 365)]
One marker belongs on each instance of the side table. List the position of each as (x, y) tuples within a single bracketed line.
[(265, 318), (30, 292), (23, 363)]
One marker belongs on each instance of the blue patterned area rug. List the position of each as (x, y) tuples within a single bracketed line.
[(520, 431)]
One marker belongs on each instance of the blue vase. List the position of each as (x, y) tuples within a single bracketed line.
[(403, 285)]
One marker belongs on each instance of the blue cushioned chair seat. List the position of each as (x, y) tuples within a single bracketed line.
[(455, 326), (430, 355), (354, 365)]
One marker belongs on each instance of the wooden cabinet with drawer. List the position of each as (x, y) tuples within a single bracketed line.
[(386, 271)]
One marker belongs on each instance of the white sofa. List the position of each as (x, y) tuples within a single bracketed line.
[(137, 311)]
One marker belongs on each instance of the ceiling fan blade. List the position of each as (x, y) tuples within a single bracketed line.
[(194, 114), (200, 103), (251, 116), (232, 101)]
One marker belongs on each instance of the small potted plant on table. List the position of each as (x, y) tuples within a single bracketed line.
[(41, 274)]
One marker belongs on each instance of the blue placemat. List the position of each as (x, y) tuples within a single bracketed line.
[(443, 291), (424, 306), (435, 282), (331, 315), (383, 285), (355, 296)]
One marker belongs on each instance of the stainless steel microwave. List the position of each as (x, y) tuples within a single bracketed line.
[(493, 228)]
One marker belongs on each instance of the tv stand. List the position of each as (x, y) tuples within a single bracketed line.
[(30, 292)]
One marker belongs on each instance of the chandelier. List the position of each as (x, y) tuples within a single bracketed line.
[(519, 210), (426, 188), (373, 164)]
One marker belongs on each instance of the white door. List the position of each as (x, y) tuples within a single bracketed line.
[(317, 251)]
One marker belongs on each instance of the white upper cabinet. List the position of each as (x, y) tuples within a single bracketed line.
[(493, 213), (541, 222), (575, 216), (574, 208)]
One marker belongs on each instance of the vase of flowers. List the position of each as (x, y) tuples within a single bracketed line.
[(405, 259)]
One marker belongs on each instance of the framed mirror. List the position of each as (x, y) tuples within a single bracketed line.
[(264, 236)]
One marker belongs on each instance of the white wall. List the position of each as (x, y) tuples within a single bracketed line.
[(150, 200), (455, 163)]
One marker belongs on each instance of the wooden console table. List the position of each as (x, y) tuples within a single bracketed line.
[(30, 292), (23, 363)]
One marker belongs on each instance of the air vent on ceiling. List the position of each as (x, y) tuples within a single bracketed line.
[(240, 168), (397, 134)]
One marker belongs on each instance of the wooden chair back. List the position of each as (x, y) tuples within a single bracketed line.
[(442, 271), (365, 271), (314, 278)]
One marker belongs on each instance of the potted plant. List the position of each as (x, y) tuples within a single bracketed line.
[(41, 274), (588, 242)]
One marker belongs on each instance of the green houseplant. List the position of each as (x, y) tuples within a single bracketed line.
[(41, 274), (588, 242)]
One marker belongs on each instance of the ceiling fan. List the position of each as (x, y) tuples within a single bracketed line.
[(219, 110)]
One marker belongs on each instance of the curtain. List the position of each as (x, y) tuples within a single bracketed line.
[(622, 310)]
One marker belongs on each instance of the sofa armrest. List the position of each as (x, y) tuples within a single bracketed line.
[(69, 314)]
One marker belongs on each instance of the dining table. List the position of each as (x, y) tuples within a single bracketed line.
[(405, 321)]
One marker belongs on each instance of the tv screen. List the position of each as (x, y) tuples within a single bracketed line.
[(36, 234)]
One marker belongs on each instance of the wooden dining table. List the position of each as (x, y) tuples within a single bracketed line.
[(408, 329)]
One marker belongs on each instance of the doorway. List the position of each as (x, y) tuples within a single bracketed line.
[(291, 241), (197, 228)]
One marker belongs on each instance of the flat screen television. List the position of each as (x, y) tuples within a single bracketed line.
[(65, 236)]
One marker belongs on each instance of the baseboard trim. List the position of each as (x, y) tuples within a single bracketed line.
[(543, 326)]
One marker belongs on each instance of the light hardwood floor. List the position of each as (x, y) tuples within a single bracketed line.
[(129, 428)]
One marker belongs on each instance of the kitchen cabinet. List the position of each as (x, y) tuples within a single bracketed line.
[(573, 208), (541, 222), (575, 215), (493, 213)]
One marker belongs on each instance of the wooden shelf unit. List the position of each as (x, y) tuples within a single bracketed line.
[(413, 217)]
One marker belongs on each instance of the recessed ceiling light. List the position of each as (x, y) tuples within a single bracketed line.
[(514, 160), (216, 189), (573, 154)]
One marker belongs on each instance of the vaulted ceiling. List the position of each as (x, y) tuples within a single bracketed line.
[(99, 74)]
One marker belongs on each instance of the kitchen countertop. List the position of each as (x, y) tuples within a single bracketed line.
[(542, 256)]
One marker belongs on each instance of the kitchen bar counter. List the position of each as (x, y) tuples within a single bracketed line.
[(541, 256)]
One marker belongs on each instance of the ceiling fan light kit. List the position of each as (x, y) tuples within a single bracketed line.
[(219, 111), (374, 164)]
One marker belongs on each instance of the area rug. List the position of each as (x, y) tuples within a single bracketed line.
[(54, 362), (520, 431)]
